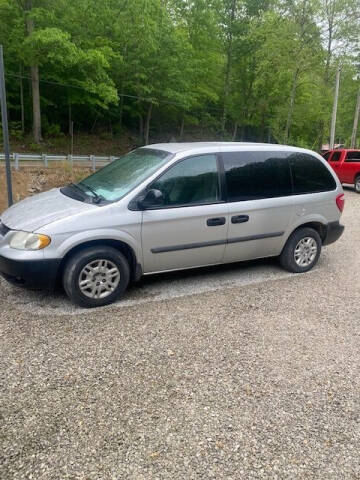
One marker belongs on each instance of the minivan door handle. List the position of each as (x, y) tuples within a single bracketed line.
[(240, 219), (213, 222)]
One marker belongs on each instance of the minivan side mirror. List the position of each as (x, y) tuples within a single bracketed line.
[(153, 198)]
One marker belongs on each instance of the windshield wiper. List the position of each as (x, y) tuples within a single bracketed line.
[(97, 198), (74, 185)]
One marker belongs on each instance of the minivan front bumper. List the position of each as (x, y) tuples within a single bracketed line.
[(334, 230), (40, 274)]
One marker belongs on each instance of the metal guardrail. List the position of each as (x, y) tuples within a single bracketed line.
[(18, 160)]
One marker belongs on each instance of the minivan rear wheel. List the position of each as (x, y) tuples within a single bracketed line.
[(96, 276), (302, 251)]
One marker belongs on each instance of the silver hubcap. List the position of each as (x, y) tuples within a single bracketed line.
[(99, 278), (357, 185), (305, 252)]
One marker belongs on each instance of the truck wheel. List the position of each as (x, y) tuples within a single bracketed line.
[(96, 276), (357, 184), (302, 251)]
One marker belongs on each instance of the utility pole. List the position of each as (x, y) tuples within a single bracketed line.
[(336, 97), (5, 127), (356, 121)]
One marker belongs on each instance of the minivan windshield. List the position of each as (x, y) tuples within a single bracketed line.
[(122, 175)]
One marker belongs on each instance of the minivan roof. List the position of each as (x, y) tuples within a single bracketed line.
[(183, 147)]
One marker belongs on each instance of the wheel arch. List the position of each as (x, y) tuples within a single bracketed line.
[(319, 227), (121, 246)]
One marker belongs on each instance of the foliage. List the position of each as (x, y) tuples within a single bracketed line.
[(242, 69)]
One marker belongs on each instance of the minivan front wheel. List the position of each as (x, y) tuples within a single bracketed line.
[(302, 251), (96, 276)]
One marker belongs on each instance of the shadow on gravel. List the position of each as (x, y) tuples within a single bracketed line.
[(151, 288)]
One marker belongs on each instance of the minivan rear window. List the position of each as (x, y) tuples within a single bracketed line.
[(309, 174), (256, 175)]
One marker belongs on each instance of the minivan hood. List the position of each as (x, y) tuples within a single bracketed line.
[(35, 212)]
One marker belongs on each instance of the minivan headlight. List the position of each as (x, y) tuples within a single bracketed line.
[(29, 241)]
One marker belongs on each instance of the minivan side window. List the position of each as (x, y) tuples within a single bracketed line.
[(256, 175), (193, 181), (352, 157), (309, 174)]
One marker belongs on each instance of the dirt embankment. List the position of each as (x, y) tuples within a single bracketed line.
[(30, 181)]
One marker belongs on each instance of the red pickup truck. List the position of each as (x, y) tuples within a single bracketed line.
[(346, 164)]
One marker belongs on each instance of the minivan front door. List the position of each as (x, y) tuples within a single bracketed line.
[(260, 203), (190, 228)]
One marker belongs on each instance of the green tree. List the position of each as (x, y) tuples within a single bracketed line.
[(248, 69)]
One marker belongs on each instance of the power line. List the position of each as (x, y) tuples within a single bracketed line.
[(135, 97)]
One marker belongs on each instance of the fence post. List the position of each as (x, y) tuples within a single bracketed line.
[(45, 160), (93, 162), (111, 159), (16, 158), (70, 159)]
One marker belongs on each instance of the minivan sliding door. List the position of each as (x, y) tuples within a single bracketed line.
[(260, 203)]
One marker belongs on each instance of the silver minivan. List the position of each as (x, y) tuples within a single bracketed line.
[(168, 207)]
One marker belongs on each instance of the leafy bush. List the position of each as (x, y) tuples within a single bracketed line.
[(15, 131), (35, 148), (105, 136), (53, 130)]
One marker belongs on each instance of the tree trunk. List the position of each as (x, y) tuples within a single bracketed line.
[(226, 93), (334, 112), (35, 86), (262, 134), (36, 104), (147, 124), (72, 138), (182, 128), (235, 132), (356, 122), (228, 67), (121, 109), (328, 57), (141, 127), (94, 124), (291, 106), (122, 98), (22, 101), (330, 21), (242, 133), (70, 117)]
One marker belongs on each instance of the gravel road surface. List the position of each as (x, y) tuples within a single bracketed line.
[(238, 372)]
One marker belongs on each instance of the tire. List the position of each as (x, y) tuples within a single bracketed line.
[(304, 250), (104, 279), (357, 184)]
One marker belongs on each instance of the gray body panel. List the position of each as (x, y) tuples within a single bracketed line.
[(35, 212), (180, 228), (269, 216), (172, 238)]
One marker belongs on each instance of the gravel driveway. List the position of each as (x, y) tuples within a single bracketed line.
[(243, 372)]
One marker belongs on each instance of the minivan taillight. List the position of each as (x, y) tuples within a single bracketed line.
[(340, 202)]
